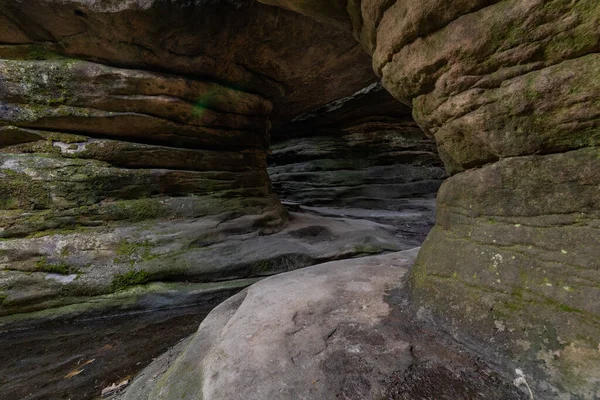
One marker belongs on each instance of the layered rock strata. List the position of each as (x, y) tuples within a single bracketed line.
[(45, 272), (136, 133), (509, 90), (362, 157)]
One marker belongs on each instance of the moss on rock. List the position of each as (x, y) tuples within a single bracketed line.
[(54, 268), (129, 279)]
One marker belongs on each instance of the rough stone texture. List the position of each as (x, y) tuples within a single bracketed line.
[(509, 91), (512, 84), (81, 268), (530, 260), (336, 330), (520, 83), (363, 156), (242, 44), (333, 12), (346, 155), (121, 121)]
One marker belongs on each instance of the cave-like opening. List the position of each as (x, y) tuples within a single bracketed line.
[(134, 182), (359, 157)]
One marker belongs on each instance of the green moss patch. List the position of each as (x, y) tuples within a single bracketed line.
[(367, 249), (129, 279), (138, 210), (129, 250), (19, 191), (62, 231), (54, 268)]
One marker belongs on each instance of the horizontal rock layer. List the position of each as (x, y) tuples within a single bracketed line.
[(510, 88), (242, 44), (68, 267), (120, 121), (363, 156), (372, 162), (140, 145)]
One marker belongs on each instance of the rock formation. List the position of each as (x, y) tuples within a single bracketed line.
[(130, 143), (509, 90), (359, 157), (336, 330), (115, 114)]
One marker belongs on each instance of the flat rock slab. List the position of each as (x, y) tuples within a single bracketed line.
[(337, 330)]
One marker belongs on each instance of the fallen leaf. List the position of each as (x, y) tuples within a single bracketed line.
[(73, 373), (115, 387), (105, 348), (79, 369), (88, 362)]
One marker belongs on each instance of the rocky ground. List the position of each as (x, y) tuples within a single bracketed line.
[(42, 347), (72, 274), (343, 329)]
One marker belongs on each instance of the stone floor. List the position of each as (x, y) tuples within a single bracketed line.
[(339, 330)]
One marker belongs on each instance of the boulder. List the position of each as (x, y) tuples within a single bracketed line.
[(335, 330)]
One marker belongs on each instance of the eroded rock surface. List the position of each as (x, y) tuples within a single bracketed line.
[(511, 93), (104, 302), (509, 90), (55, 271), (133, 131), (336, 330), (361, 156)]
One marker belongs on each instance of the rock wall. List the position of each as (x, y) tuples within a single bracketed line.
[(510, 98), (133, 136), (362, 157), (509, 90)]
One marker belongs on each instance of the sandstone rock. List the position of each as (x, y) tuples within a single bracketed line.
[(336, 330), (508, 90), (531, 265), (243, 44), (512, 87), (121, 121), (508, 87), (363, 155), (83, 266)]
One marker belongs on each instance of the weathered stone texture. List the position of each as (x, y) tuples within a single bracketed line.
[(117, 118), (336, 330), (509, 90), (363, 151), (359, 157)]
